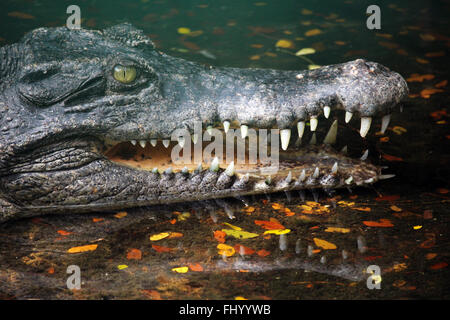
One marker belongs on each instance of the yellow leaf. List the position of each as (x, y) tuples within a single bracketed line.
[(395, 208), (240, 298), (284, 43), (277, 231), (313, 32), (324, 244), (159, 236), (239, 234), (181, 269), (399, 130), (313, 66), (90, 247), (305, 51), (232, 226), (184, 30), (417, 227), (336, 229), (225, 250), (122, 266), (399, 267), (306, 12)]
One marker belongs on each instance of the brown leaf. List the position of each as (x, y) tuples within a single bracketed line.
[(380, 223), (134, 254)]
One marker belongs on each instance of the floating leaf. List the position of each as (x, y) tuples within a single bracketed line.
[(426, 93), (159, 236), (388, 157), (263, 253), (305, 51), (441, 84), (134, 254), (161, 248), (97, 219), (340, 43), (365, 209), (197, 267), (422, 61), (225, 250), (284, 43), (220, 236), (396, 209), (336, 229), (232, 226), (306, 12), (388, 198), (120, 215), (400, 267), (240, 234), (122, 266), (380, 223), (399, 130), (180, 269), (439, 265), (240, 298), (152, 294), (20, 15), (243, 250), (435, 54), (89, 247), (417, 227), (255, 57), (324, 244), (313, 32), (415, 77), (277, 231), (272, 224), (183, 30), (313, 66), (175, 235), (64, 233), (430, 256)]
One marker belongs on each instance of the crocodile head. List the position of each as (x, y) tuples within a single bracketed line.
[(88, 119)]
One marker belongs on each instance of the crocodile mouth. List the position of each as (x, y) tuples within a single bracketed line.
[(308, 163)]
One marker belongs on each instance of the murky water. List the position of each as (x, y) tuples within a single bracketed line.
[(400, 225)]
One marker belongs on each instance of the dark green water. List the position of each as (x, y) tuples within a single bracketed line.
[(413, 254)]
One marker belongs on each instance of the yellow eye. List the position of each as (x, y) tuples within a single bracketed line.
[(124, 74)]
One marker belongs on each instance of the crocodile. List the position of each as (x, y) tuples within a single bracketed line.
[(88, 116)]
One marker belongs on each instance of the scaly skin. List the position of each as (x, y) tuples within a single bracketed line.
[(60, 105)]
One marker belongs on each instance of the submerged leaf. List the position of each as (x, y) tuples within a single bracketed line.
[(225, 250), (240, 234), (305, 51), (324, 244), (90, 247)]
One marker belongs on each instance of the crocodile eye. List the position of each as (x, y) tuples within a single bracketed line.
[(124, 74)]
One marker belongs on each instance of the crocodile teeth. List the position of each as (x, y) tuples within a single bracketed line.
[(230, 169), (385, 176), (168, 171), (316, 173), (344, 150), (288, 178), (302, 176), (300, 128), (226, 126), (330, 138), (155, 170), (185, 170), (166, 143), (349, 180), (365, 126), (244, 131), (365, 155), (313, 123), (285, 136), (153, 142), (326, 111), (348, 116), (313, 139), (334, 169), (215, 165), (133, 142), (181, 142), (194, 138), (385, 122), (142, 143)]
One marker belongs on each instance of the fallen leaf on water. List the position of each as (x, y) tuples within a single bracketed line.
[(388, 198), (380, 223), (389, 157), (277, 231), (20, 15), (243, 250), (220, 236), (415, 77), (263, 253), (159, 236), (122, 266), (183, 30), (196, 267), (249, 209), (180, 269), (120, 215), (402, 52), (340, 43), (232, 226), (152, 294), (97, 219), (417, 227), (439, 265), (240, 298), (346, 203), (427, 37), (306, 12), (277, 206), (422, 61), (305, 51), (89, 247), (441, 84), (64, 233), (195, 33), (426, 93), (337, 229), (51, 270), (240, 234), (313, 32), (389, 45), (134, 254), (255, 57), (225, 250), (284, 43), (435, 54), (400, 267), (161, 248), (365, 209), (395, 208), (430, 256), (399, 130), (273, 224), (324, 244), (384, 35), (175, 235), (190, 45), (399, 283)]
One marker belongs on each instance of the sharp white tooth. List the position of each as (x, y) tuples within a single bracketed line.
[(348, 116), (385, 122), (244, 131), (133, 142), (330, 138), (313, 139), (215, 164), (285, 136), (181, 141), (313, 123), (155, 170), (370, 180), (166, 143), (365, 126), (302, 176), (385, 176), (288, 178), (209, 130), (168, 170), (230, 169), (335, 168), (153, 142), (300, 128), (316, 173), (349, 180), (365, 155), (326, 111), (226, 126), (142, 143), (344, 150), (268, 180), (194, 138)]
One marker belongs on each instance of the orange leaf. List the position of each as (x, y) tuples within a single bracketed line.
[(365, 209), (430, 256), (97, 219), (426, 93), (51, 270), (161, 248), (243, 250), (152, 294), (89, 247), (439, 265), (263, 253), (64, 233), (388, 198), (196, 267), (175, 235), (415, 77), (134, 254), (396, 209), (173, 221), (441, 84), (391, 158), (380, 223), (219, 235), (313, 32), (324, 244), (120, 215), (269, 225)]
